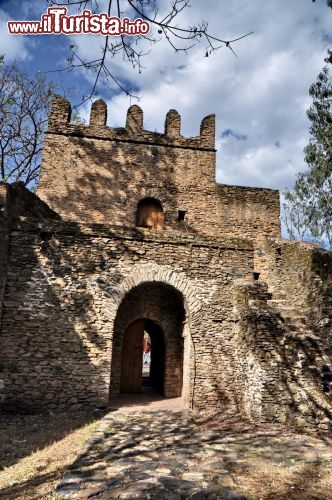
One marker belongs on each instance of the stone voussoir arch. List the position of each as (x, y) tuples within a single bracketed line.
[(177, 377), (150, 272), (151, 316), (154, 194)]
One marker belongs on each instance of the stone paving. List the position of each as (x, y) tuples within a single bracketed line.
[(150, 454), (146, 451)]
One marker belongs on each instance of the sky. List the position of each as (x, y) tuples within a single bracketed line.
[(259, 97)]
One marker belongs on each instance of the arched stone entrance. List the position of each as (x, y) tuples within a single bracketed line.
[(159, 309)]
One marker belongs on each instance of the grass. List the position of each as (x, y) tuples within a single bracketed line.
[(270, 481), (37, 449)]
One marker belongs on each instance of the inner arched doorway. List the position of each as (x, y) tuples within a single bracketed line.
[(158, 309), (132, 379)]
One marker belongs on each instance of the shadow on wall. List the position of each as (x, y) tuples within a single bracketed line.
[(103, 181), (57, 341), (52, 352), (281, 356)]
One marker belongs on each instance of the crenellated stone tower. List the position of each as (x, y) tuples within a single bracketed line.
[(103, 173)]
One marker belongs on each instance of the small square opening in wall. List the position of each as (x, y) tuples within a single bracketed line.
[(45, 236), (181, 215)]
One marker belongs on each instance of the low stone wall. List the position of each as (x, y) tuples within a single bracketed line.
[(298, 272), (16, 201), (279, 363), (248, 212)]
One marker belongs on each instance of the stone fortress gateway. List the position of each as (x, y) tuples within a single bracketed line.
[(130, 232)]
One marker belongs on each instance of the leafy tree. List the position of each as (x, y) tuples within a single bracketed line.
[(133, 48), (328, 3), (24, 107), (308, 208)]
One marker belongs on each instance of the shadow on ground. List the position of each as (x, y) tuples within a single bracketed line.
[(178, 455)]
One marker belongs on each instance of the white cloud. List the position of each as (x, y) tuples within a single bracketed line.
[(12, 47)]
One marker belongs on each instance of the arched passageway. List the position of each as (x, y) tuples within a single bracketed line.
[(158, 309)]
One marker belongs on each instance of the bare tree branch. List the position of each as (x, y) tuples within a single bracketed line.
[(180, 38)]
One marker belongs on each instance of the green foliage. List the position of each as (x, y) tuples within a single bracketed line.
[(308, 208), (24, 107)]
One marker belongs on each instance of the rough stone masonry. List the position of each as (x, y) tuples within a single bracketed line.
[(130, 233)]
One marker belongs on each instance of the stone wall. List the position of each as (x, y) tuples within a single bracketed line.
[(299, 275), (73, 289), (297, 272), (4, 240), (17, 201), (248, 211), (65, 285)]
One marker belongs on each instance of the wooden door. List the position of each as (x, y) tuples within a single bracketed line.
[(132, 358), (150, 214)]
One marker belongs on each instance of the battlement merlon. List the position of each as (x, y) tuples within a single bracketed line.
[(60, 116)]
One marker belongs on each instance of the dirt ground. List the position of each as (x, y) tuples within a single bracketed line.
[(266, 462)]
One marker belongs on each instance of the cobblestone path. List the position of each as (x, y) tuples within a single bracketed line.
[(159, 453)]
